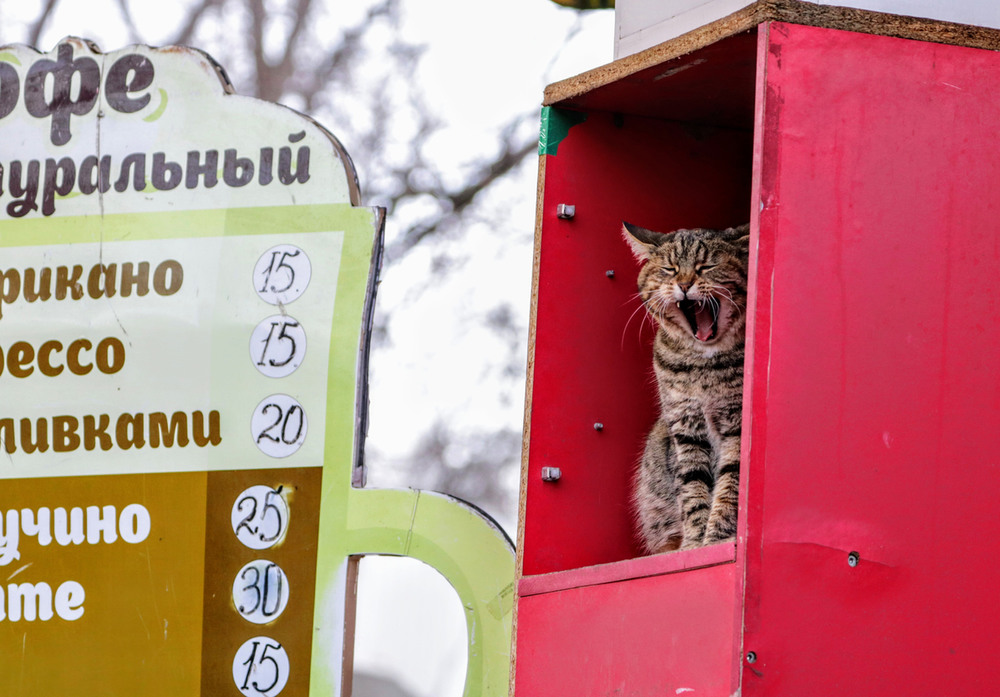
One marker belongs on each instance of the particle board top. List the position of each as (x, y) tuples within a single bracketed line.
[(584, 90)]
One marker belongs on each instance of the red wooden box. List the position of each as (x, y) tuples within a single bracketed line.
[(868, 169)]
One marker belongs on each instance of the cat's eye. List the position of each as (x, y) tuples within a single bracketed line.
[(669, 270), (705, 267)]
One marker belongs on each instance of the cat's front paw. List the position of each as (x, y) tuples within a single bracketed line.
[(691, 544), (719, 539)]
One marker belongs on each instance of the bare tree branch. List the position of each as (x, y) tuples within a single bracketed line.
[(272, 76), (511, 155), (286, 65), (193, 21), (38, 26), (255, 44), (346, 49), (466, 465), (133, 31)]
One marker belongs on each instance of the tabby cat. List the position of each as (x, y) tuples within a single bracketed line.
[(694, 285)]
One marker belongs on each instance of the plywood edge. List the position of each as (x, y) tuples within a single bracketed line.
[(884, 24), (738, 22), (641, 567), (530, 366), (350, 625), (526, 432), (791, 11)]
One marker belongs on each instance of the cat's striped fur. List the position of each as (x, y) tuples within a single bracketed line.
[(694, 285)]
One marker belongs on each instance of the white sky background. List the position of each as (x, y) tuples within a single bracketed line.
[(485, 63)]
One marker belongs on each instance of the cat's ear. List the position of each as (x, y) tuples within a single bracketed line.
[(641, 240), (740, 236)]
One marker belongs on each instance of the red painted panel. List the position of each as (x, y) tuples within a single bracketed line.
[(592, 355), (640, 567), (711, 86), (649, 637), (876, 392)]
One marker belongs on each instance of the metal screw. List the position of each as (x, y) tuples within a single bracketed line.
[(565, 211), (610, 273), (598, 426), (853, 558), (551, 474), (751, 657)]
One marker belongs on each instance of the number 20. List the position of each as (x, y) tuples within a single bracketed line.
[(278, 425)]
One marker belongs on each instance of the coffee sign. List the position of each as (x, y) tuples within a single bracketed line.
[(186, 280)]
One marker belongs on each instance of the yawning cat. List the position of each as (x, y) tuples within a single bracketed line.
[(694, 285)]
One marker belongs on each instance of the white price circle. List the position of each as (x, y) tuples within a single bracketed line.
[(260, 667), (260, 591), (282, 274), (278, 345), (260, 517), (278, 425)]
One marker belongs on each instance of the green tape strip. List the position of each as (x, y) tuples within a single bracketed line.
[(555, 127)]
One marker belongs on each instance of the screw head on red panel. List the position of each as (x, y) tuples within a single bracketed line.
[(565, 211), (551, 474)]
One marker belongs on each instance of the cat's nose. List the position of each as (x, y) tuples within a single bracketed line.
[(685, 287)]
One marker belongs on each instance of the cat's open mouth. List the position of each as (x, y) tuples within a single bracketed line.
[(703, 316)]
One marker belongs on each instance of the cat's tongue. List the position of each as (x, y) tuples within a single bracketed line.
[(704, 322), (701, 316)]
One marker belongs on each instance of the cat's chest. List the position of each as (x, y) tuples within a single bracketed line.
[(702, 394), (702, 382), (695, 400), (709, 414)]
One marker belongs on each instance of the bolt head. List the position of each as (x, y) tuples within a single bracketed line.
[(565, 211), (551, 474)]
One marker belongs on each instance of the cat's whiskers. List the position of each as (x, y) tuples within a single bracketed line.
[(656, 307), (715, 291), (641, 308), (716, 306)]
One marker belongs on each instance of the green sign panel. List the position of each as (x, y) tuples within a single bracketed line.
[(186, 281)]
